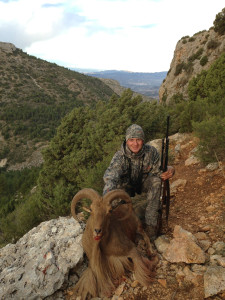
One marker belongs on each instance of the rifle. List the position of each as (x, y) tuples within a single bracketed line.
[(165, 185)]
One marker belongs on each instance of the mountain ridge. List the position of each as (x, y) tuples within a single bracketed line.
[(146, 83)]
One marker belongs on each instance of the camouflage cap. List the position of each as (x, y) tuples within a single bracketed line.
[(135, 131)]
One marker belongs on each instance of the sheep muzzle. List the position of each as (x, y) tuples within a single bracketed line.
[(97, 234)]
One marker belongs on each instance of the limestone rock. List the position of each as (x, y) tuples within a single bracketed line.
[(214, 280), (38, 264), (212, 166), (184, 248), (187, 48), (3, 162), (7, 47), (192, 160), (162, 243)]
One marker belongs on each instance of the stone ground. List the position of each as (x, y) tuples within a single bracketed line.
[(197, 206)]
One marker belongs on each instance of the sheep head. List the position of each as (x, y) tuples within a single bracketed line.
[(101, 209)]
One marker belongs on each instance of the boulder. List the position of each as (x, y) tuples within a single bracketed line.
[(39, 263)]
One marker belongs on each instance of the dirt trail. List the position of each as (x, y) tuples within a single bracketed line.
[(198, 206)]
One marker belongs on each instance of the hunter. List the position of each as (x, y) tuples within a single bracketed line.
[(136, 169)]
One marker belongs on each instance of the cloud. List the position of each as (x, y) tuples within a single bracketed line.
[(135, 35)]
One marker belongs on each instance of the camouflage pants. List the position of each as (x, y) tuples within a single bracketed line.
[(152, 187)]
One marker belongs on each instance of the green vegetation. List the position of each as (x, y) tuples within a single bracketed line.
[(207, 95), (189, 65), (203, 60), (191, 39), (35, 95), (196, 55), (212, 44), (219, 22), (88, 136)]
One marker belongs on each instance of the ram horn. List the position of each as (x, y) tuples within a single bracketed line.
[(119, 194), (84, 193)]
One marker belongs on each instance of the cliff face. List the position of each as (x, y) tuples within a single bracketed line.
[(191, 56)]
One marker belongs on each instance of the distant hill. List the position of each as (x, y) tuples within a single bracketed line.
[(143, 83), (34, 96)]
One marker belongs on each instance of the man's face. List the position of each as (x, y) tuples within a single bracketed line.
[(135, 145)]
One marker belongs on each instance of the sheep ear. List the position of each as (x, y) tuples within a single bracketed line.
[(84, 193)]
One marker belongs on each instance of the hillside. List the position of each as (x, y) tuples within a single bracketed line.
[(192, 55), (34, 96)]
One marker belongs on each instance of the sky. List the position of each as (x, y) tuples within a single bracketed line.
[(131, 35)]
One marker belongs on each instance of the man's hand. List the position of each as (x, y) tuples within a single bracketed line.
[(168, 174)]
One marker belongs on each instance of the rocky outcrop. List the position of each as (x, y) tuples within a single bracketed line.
[(7, 47), (39, 264), (191, 56)]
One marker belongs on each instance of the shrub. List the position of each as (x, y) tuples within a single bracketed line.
[(195, 55), (203, 60), (212, 44), (192, 39), (211, 132), (199, 32), (219, 22), (179, 68)]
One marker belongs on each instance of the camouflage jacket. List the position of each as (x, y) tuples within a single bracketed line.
[(130, 169)]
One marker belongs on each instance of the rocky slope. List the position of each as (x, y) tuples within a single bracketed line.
[(48, 260), (191, 56)]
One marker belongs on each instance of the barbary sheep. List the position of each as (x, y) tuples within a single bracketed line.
[(109, 243)]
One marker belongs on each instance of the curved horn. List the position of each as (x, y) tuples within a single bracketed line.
[(84, 193), (115, 194)]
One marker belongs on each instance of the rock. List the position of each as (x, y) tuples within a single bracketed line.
[(219, 248), (212, 166), (177, 184), (162, 243), (177, 149), (205, 228), (204, 244), (195, 278), (192, 160), (177, 82), (200, 236), (163, 282), (214, 280), (157, 144), (198, 268), (7, 47), (39, 263), (183, 248), (211, 251), (179, 137), (3, 162), (214, 259), (221, 261)]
